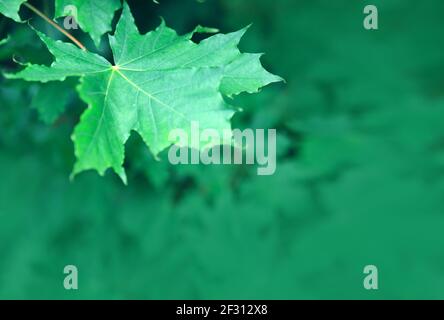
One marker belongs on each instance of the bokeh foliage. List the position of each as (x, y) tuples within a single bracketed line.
[(360, 176)]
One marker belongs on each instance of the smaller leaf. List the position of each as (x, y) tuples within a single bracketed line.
[(94, 17), (10, 8)]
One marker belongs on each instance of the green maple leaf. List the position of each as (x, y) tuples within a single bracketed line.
[(94, 17), (160, 82), (10, 8)]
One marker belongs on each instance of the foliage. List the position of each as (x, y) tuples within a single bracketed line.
[(160, 82)]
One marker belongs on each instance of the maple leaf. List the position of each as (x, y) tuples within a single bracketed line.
[(94, 17), (159, 82), (10, 8)]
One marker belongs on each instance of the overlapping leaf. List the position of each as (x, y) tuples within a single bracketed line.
[(94, 17), (10, 8), (159, 82)]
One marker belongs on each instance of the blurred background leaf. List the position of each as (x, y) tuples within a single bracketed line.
[(359, 181)]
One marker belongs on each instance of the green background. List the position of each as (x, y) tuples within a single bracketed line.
[(359, 180)]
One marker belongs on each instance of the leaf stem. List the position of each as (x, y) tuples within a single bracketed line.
[(55, 25)]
